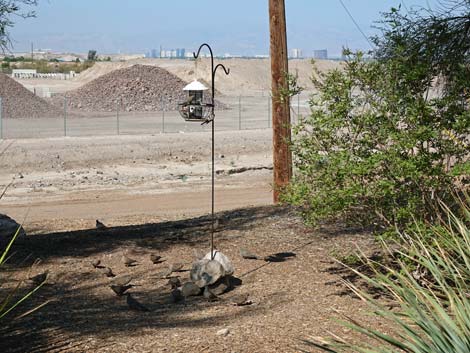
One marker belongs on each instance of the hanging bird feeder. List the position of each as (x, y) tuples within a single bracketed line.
[(194, 108)]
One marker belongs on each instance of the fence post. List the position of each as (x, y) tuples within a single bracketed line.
[(117, 117), (163, 116), (1, 119), (240, 112), (269, 111), (65, 115)]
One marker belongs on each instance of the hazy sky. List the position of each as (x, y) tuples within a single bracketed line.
[(230, 26)]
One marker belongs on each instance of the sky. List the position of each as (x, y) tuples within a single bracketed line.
[(238, 27)]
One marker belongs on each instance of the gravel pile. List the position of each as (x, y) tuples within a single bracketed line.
[(137, 88), (18, 102)]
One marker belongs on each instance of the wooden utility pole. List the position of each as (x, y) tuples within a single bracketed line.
[(282, 157)]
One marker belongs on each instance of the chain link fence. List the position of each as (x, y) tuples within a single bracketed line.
[(241, 113)]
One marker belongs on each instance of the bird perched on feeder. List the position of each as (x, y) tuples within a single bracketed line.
[(128, 262), (40, 278), (100, 225), (134, 304)]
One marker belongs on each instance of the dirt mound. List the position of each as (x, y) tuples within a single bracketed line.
[(19, 102), (137, 88)]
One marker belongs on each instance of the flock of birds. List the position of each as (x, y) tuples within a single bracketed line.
[(120, 285)]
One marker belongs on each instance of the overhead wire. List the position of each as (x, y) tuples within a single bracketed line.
[(356, 24)]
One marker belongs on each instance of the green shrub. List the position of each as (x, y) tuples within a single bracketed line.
[(379, 146), (433, 299)]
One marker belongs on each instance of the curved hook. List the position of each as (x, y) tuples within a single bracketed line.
[(227, 71), (199, 50)]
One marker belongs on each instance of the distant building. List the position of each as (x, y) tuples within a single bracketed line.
[(320, 54), (153, 53), (296, 53)]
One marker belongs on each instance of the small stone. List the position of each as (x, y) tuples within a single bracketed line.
[(190, 289), (221, 286), (224, 332)]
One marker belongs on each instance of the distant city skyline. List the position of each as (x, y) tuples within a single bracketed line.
[(238, 28)]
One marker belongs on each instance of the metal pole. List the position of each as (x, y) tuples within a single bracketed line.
[(117, 117), (163, 116), (65, 115), (240, 112), (1, 119)]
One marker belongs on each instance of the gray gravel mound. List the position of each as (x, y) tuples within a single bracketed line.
[(20, 103), (140, 88)]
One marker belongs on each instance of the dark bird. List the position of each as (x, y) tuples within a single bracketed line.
[(134, 304), (107, 272), (210, 297), (39, 279), (100, 225), (156, 259), (247, 254), (97, 263), (128, 261), (174, 282), (176, 296), (121, 281), (120, 290)]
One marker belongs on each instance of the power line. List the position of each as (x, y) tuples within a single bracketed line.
[(356, 24)]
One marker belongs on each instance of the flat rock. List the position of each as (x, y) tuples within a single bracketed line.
[(221, 286), (223, 332)]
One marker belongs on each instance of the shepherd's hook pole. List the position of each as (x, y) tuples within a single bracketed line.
[(212, 114)]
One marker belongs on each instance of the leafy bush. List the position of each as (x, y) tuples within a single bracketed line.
[(434, 303), (381, 145)]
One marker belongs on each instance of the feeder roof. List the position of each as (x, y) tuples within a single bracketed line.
[(195, 86)]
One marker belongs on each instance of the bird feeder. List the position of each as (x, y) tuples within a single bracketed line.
[(194, 108)]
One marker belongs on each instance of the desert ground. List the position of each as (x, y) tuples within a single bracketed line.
[(152, 192)]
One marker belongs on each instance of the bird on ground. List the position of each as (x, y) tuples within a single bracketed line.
[(156, 259), (176, 267), (121, 280), (241, 300), (100, 225), (247, 254), (176, 296), (108, 272), (40, 278), (120, 290), (210, 297), (174, 282), (97, 263), (134, 304), (165, 273), (128, 261)]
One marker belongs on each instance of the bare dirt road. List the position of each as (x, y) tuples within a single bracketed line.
[(119, 179)]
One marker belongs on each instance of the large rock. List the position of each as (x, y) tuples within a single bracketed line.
[(223, 260), (8, 228), (205, 272)]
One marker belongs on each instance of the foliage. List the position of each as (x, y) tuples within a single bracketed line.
[(9, 9), (45, 66), (434, 305)]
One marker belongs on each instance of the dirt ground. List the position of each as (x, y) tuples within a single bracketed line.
[(152, 192)]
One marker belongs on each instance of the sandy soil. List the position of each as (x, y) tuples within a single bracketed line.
[(111, 177)]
